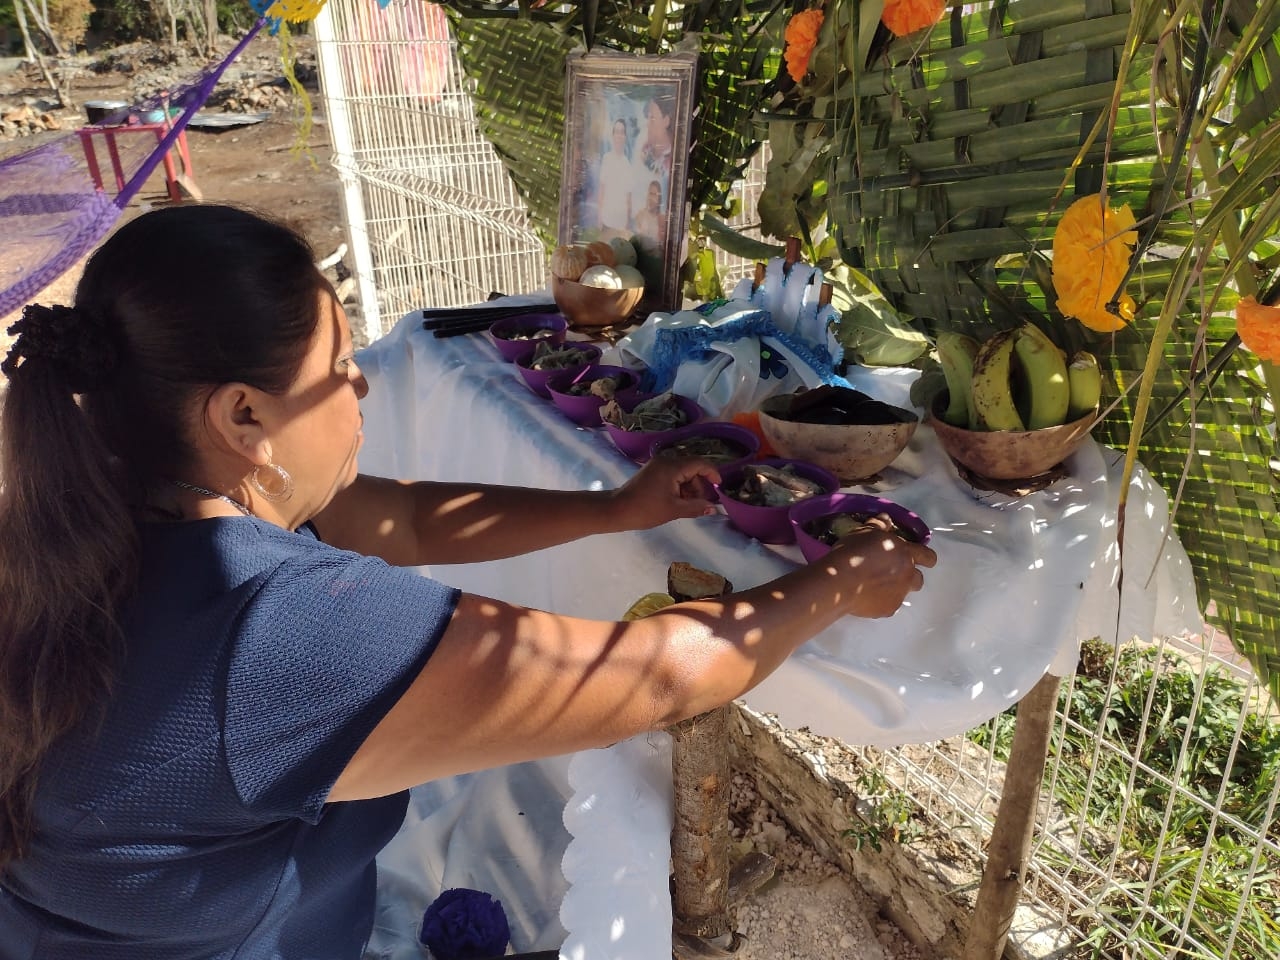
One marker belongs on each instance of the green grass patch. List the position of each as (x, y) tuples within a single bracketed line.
[(1167, 774)]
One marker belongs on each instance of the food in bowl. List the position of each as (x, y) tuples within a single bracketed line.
[(634, 423), (580, 394), (837, 405), (836, 526), (663, 412), (552, 360), (762, 485), (820, 522), (548, 357), (711, 448), (716, 440), (759, 496), (605, 387), (517, 337)]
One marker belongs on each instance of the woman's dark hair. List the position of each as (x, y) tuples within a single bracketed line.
[(98, 406)]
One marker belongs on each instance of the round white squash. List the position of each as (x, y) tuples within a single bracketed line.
[(601, 276), (631, 277)]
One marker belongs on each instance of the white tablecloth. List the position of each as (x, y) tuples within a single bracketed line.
[(1019, 583)]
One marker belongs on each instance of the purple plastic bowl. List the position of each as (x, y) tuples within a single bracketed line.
[(636, 444), (768, 524), (537, 379), (584, 409), (806, 511), (511, 350), (715, 429)]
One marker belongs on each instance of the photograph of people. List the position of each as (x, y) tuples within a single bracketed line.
[(656, 153), (651, 220), (615, 178)]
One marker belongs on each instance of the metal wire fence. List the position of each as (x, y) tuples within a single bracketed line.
[(433, 216), (1159, 829), (1158, 835)]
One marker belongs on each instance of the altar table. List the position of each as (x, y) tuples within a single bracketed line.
[(577, 848)]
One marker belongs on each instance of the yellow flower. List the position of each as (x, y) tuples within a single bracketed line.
[(1091, 250), (1259, 328), (908, 16), (800, 37), (294, 11)]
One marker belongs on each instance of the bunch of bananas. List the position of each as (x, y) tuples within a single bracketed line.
[(1017, 380)]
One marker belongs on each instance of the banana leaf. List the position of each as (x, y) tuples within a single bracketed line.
[(947, 157)]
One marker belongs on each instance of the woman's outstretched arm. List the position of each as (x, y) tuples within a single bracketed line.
[(508, 684), (409, 524)]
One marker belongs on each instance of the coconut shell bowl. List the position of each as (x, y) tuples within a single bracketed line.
[(1007, 455), (585, 306), (844, 431)]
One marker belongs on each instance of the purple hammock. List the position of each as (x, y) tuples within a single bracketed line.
[(51, 213)]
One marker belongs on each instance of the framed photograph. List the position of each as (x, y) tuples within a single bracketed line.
[(628, 130)]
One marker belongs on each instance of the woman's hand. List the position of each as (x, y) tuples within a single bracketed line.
[(666, 488), (881, 566)]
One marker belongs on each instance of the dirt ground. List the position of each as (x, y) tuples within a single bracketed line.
[(810, 911)]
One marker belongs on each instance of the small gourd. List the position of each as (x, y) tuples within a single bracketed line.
[(568, 261), (599, 251), (631, 277), (624, 252)]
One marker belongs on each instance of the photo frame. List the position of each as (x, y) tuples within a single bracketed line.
[(628, 132)]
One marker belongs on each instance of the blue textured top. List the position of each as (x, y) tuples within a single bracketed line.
[(190, 822)]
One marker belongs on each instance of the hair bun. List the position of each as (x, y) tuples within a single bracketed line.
[(77, 346)]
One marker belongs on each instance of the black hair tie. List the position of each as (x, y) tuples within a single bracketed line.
[(75, 344)]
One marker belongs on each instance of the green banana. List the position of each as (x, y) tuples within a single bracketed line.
[(1044, 372), (955, 353), (1085, 380), (992, 397)]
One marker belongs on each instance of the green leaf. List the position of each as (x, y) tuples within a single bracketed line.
[(739, 244), (871, 331)]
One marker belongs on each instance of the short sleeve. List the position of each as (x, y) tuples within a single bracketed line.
[(328, 645)]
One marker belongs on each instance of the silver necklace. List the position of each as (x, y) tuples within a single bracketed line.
[(215, 494)]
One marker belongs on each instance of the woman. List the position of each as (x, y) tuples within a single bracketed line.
[(651, 225), (656, 154), (216, 677), (615, 185)]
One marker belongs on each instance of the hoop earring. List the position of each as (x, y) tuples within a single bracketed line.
[(278, 486)]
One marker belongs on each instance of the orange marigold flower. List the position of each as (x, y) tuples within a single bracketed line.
[(1091, 250), (908, 16), (801, 36), (1259, 328)]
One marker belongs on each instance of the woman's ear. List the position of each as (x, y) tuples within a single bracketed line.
[(232, 422)]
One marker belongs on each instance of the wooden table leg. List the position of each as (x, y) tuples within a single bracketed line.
[(700, 840), (1010, 847)]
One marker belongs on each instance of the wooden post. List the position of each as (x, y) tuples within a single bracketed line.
[(1010, 847), (700, 838), (792, 254)]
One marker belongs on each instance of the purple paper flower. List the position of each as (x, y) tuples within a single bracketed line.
[(464, 924)]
